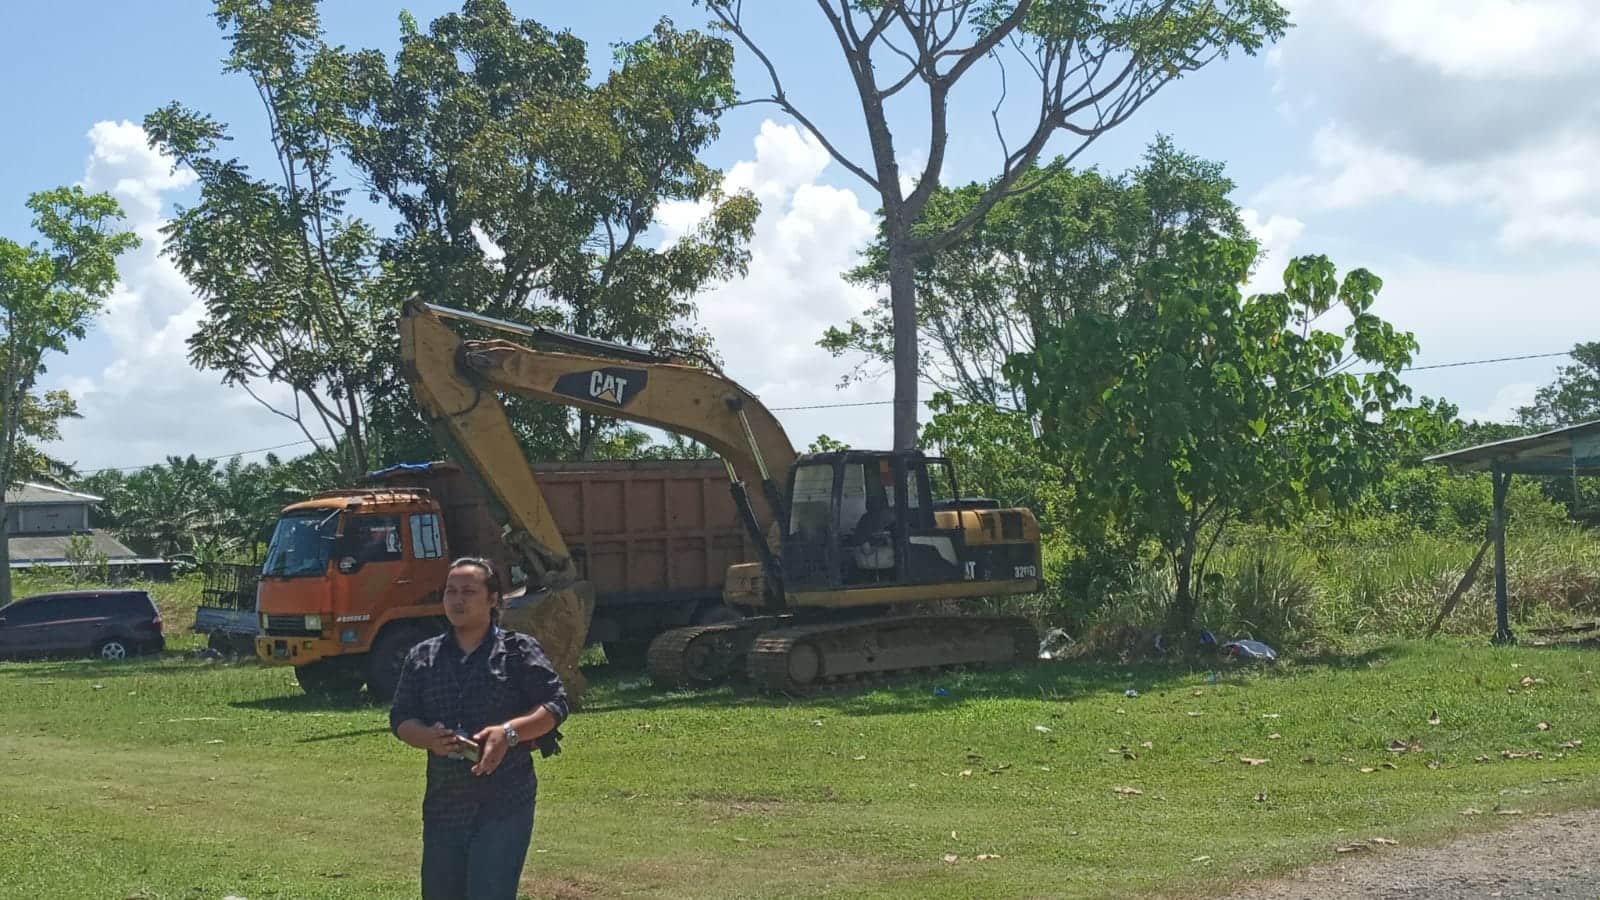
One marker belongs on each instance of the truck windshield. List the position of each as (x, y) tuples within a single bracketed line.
[(301, 545)]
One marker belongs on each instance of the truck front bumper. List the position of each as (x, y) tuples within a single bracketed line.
[(296, 651)]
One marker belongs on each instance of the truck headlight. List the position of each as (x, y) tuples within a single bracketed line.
[(313, 623)]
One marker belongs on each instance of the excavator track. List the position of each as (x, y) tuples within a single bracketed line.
[(809, 658), (704, 655)]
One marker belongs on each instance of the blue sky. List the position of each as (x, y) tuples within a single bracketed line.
[(1445, 144)]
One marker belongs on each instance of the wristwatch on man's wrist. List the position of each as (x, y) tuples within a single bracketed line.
[(511, 735)]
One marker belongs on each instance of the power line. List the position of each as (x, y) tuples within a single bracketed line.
[(218, 458), (831, 405), (1480, 362)]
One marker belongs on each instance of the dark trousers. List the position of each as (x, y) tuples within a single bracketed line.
[(479, 861)]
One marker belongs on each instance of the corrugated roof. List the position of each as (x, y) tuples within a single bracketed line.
[(29, 549), (1573, 449), (30, 492)]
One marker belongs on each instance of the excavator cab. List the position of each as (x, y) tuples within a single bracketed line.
[(867, 519)]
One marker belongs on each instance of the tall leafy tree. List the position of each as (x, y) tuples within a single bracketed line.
[(1573, 397), (286, 273), (1196, 405), (1087, 68), (526, 188), (49, 293), (1076, 241)]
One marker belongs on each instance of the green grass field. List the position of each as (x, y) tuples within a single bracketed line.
[(177, 778)]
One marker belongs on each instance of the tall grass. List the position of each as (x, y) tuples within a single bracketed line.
[(1314, 587)]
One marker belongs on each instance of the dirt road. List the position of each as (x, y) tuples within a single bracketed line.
[(1549, 856)]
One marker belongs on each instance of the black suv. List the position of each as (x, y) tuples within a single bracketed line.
[(110, 624)]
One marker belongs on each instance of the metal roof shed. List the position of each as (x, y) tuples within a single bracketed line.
[(1572, 450)]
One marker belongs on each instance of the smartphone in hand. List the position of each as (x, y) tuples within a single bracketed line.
[(467, 747)]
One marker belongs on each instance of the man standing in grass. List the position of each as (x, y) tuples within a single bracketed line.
[(476, 698)]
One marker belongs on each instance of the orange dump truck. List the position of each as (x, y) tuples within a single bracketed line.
[(352, 577)]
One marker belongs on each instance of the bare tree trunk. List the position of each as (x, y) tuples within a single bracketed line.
[(903, 303), (1183, 601), (5, 553)]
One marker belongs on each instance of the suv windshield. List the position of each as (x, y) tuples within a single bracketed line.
[(301, 545)]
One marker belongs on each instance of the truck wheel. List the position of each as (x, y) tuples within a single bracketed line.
[(328, 678), (387, 656)]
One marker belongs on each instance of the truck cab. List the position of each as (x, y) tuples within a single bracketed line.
[(347, 574)]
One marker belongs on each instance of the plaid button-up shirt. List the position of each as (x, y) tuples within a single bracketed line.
[(507, 675)]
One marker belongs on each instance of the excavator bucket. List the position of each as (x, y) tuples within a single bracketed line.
[(559, 621)]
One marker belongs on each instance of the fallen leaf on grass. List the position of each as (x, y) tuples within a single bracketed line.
[(966, 773), (1042, 729), (1261, 797), (1470, 811), (1390, 765), (215, 741), (1411, 746), (1527, 681), (1433, 764), (1193, 713), (1367, 769), (950, 857), (1124, 789), (858, 758), (1385, 842), (1508, 812), (1433, 717), (1571, 745), (1482, 758), (984, 856), (1521, 754), (1199, 693), (1198, 859), (1150, 745), (1271, 716), (1350, 848), (1308, 760), (1544, 726), (1252, 761), (1274, 736), (742, 840), (99, 687)]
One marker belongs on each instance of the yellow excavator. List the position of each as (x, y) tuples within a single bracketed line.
[(853, 544)]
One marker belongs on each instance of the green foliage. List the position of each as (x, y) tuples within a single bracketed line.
[(198, 509), (1096, 65), (1075, 242), (826, 444), (1573, 397), (525, 190), (288, 277), (49, 293), (84, 562), (1195, 406)]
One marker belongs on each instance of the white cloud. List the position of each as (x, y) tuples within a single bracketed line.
[(141, 400), (1548, 192), (1486, 106), (766, 324), (1275, 235), (1503, 406), (1472, 38)]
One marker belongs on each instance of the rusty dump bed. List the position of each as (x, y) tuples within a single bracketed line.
[(642, 531)]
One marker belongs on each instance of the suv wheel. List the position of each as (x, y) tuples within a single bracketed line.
[(112, 649)]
